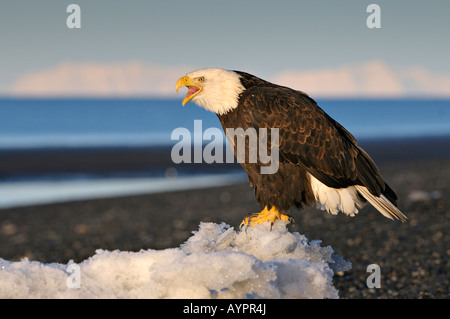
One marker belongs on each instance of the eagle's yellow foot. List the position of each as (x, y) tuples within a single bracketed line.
[(265, 215)]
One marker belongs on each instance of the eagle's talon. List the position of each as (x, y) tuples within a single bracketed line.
[(247, 221), (244, 224), (291, 219)]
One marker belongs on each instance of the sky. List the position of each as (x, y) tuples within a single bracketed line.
[(149, 43)]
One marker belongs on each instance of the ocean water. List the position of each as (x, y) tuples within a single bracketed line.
[(41, 123), (31, 124)]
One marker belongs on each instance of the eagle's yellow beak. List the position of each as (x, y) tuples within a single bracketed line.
[(193, 86)]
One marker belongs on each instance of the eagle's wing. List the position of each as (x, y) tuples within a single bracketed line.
[(312, 139)]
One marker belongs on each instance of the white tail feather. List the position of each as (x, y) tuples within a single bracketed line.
[(382, 204), (335, 200)]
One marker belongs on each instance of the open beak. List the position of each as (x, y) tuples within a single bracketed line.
[(193, 88)]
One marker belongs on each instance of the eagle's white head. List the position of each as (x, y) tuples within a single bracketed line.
[(216, 90)]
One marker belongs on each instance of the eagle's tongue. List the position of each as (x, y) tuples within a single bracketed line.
[(192, 90)]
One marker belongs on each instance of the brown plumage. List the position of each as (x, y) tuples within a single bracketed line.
[(310, 141)]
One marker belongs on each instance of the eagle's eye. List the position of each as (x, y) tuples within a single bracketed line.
[(201, 79)]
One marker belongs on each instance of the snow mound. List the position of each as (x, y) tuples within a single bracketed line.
[(216, 262)]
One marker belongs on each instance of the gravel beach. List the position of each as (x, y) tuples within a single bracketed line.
[(413, 256)]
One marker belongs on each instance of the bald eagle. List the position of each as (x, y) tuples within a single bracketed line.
[(320, 162)]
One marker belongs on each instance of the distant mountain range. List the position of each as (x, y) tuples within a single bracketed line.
[(373, 79)]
